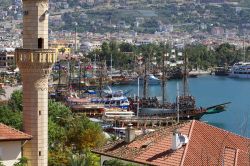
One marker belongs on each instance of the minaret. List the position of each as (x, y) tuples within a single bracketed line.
[(35, 61)]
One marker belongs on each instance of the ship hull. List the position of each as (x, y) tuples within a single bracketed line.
[(170, 113)]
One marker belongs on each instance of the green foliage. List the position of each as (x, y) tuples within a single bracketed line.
[(62, 50), (116, 163), (57, 136), (199, 56), (227, 54), (59, 157), (68, 133), (58, 112), (21, 162), (15, 102), (126, 47), (77, 160), (85, 159), (10, 118), (11, 114), (105, 51), (82, 133)]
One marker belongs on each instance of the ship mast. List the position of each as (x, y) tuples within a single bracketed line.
[(145, 80), (185, 75), (163, 75), (244, 49), (79, 77), (101, 75)]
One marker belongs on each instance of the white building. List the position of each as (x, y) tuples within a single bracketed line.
[(6, 57), (11, 142)]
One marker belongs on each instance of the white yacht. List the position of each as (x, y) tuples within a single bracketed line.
[(240, 70)]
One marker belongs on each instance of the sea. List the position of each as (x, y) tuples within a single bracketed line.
[(209, 91)]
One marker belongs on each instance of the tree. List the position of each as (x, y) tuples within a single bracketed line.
[(227, 54), (10, 118), (126, 47), (66, 131), (58, 112), (59, 157), (105, 51), (15, 102), (57, 136), (199, 56), (71, 134), (82, 133), (62, 50)]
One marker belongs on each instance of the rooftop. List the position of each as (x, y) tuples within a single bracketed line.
[(207, 145), (10, 134)]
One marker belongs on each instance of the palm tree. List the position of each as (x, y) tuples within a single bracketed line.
[(62, 50), (77, 160), (86, 158)]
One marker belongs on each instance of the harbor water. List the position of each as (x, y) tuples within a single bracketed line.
[(208, 91)]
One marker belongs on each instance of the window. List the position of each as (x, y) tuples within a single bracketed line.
[(40, 42)]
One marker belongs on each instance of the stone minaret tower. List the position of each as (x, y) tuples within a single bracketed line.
[(35, 61)]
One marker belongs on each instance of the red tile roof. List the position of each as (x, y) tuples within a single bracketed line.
[(208, 145), (10, 134), (214, 146)]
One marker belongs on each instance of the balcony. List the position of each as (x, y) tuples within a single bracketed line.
[(35, 56)]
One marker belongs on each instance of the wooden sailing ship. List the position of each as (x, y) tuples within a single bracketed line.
[(185, 106)]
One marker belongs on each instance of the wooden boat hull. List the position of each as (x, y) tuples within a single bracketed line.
[(184, 115)]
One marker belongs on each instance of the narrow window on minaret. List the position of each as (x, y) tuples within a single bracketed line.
[(40, 42), (40, 153), (40, 113)]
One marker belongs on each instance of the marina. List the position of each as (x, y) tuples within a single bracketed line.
[(216, 94), (114, 94), (210, 90)]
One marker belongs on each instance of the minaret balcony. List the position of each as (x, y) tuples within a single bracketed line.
[(35, 56)]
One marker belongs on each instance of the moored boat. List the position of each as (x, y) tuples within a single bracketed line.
[(120, 102), (151, 80), (186, 104), (240, 70), (221, 71), (184, 108)]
